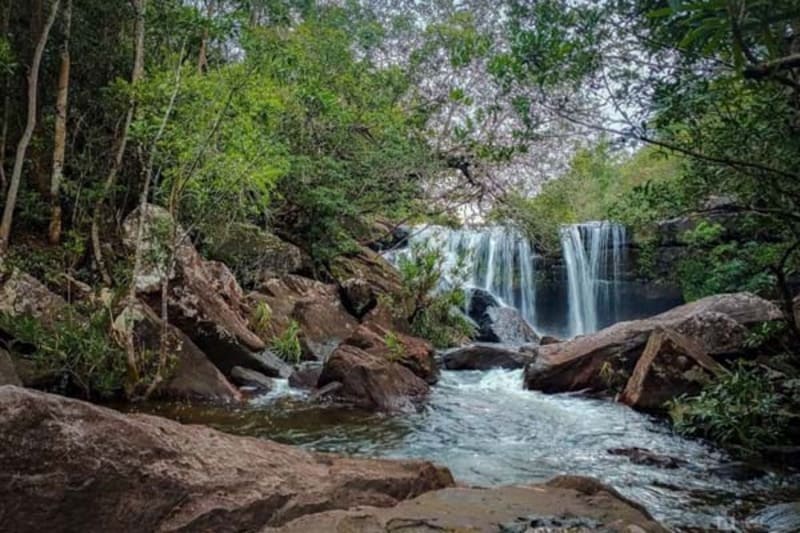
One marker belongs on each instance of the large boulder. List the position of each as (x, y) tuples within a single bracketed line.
[(603, 361), (255, 255), (364, 276), (23, 295), (371, 381), (204, 299), (484, 356), (192, 375), (567, 503), (251, 379), (313, 305), (671, 365), (358, 296), (497, 322), (412, 352), (78, 467)]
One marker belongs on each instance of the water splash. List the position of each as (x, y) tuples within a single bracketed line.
[(595, 256)]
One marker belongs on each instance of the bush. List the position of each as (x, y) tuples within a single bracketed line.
[(76, 349), (742, 410), (287, 344)]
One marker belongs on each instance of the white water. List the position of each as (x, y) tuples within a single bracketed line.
[(594, 255), (496, 259)]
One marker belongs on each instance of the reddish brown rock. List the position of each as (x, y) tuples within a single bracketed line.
[(371, 381), (78, 467), (567, 503), (480, 356), (412, 352), (671, 364), (605, 360)]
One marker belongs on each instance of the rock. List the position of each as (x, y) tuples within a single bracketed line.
[(371, 381), (204, 298), (497, 322), (738, 471), (83, 467), (370, 267), (507, 509), (24, 295), (778, 518), (273, 366), (671, 365), (484, 357), (603, 360), (386, 235), (306, 376), (549, 339), (640, 456), (244, 377), (254, 254), (8, 373), (193, 376), (358, 297), (323, 392), (316, 308), (412, 352), (783, 455)]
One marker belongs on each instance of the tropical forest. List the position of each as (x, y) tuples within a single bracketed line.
[(364, 266)]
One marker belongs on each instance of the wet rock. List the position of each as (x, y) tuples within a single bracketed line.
[(604, 360), (778, 518), (496, 322), (549, 339), (254, 254), (204, 298), (640, 456), (314, 306), (8, 373), (371, 381), (273, 366), (412, 352), (495, 509), (244, 377), (193, 376), (671, 365), (23, 295), (358, 297), (482, 356), (325, 391), (738, 471), (131, 473), (306, 376), (783, 455)]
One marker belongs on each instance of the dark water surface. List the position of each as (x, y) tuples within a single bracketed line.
[(489, 431)]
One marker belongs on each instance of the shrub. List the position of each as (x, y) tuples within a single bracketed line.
[(741, 410), (287, 344), (75, 348), (396, 349), (260, 318)]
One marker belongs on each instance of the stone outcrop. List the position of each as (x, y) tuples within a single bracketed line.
[(192, 375), (566, 503), (358, 296), (371, 381), (370, 267), (480, 356), (412, 352), (254, 254), (671, 365), (79, 467), (386, 235), (306, 375), (316, 308), (496, 322), (603, 360), (23, 295), (204, 299), (245, 377)]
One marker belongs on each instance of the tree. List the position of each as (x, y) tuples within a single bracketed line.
[(60, 141)]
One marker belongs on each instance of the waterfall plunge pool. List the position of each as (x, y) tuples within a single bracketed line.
[(489, 431)]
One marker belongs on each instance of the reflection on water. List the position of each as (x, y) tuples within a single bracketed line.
[(488, 430)]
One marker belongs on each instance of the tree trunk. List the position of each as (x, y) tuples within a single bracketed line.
[(60, 139), (24, 142), (6, 102), (116, 164)]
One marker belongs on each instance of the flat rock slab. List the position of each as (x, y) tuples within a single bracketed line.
[(484, 356), (461, 509), (68, 465)]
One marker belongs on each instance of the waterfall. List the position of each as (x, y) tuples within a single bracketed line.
[(496, 259), (594, 255)]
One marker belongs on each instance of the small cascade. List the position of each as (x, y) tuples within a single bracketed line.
[(496, 259), (594, 255)]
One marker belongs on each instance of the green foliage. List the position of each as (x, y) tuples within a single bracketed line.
[(287, 345), (432, 307), (76, 349), (741, 410), (764, 334), (260, 319), (396, 349)]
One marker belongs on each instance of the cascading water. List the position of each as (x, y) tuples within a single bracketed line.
[(594, 255), (496, 259)]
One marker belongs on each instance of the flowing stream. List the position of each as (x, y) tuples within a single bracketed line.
[(489, 431)]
